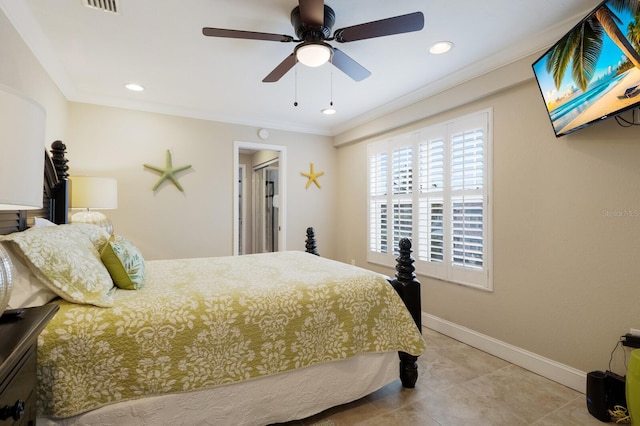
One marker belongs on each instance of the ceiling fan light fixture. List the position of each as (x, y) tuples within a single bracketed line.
[(313, 54)]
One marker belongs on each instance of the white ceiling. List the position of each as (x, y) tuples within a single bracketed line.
[(91, 54)]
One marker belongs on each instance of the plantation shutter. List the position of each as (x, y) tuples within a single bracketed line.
[(402, 188), (431, 163), (468, 201), (467, 182), (378, 221), (432, 186)]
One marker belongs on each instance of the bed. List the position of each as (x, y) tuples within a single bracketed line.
[(241, 340)]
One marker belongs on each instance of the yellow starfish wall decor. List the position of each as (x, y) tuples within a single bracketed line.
[(168, 172), (313, 177)]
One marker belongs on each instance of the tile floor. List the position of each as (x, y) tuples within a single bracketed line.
[(460, 385)]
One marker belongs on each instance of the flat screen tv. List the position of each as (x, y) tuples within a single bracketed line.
[(593, 72)]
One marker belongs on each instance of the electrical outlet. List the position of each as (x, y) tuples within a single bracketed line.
[(634, 331)]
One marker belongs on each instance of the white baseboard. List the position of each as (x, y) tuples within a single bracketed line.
[(552, 370)]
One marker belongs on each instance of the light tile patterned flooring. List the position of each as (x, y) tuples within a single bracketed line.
[(460, 385)]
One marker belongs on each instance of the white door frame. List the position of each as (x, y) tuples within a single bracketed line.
[(243, 229), (282, 211)]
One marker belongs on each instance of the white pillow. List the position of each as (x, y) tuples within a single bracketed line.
[(28, 290), (41, 221)]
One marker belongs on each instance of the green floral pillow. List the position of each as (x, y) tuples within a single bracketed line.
[(124, 262), (66, 258)]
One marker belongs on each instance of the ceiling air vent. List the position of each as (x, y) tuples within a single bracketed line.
[(111, 6)]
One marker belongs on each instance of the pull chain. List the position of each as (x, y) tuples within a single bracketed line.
[(331, 81), (295, 85)]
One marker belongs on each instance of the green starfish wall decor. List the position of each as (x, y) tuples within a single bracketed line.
[(168, 172)]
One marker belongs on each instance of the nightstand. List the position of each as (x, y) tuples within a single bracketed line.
[(18, 355)]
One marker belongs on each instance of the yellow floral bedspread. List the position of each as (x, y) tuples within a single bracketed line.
[(199, 323)]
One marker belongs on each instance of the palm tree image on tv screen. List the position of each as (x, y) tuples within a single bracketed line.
[(594, 70)]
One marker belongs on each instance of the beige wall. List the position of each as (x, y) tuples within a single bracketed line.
[(167, 223), (566, 274)]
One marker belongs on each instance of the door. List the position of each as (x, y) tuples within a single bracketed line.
[(266, 202)]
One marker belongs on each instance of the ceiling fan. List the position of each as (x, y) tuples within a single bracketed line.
[(312, 21)]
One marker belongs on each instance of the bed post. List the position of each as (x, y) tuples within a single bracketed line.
[(310, 243), (59, 209), (408, 287)]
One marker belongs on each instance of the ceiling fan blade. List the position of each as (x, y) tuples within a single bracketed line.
[(248, 35), (281, 69), (384, 27), (349, 66), (312, 12)]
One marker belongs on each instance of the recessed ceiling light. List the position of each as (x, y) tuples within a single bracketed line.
[(329, 111), (134, 87), (441, 47)]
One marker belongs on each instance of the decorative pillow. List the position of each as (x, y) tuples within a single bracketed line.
[(124, 262), (28, 291), (66, 258)]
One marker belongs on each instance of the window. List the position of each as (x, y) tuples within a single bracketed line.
[(433, 186)]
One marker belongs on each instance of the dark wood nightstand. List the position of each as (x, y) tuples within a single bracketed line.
[(18, 350)]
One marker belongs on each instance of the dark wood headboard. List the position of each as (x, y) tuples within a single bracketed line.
[(55, 195)]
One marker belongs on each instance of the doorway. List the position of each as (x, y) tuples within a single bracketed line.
[(259, 198)]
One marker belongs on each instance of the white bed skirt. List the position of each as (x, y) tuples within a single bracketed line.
[(283, 397)]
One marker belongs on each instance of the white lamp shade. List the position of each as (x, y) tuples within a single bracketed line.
[(313, 54), (22, 124), (90, 192)]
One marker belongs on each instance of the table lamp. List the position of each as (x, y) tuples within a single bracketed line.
[(22, 124), (92, 193)]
